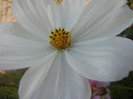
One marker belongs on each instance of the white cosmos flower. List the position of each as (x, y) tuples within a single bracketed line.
[(61, 71)]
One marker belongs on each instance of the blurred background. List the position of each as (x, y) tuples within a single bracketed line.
[(9, 80)]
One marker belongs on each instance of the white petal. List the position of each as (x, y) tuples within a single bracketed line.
[(66, 14), (20, 51), (45, 14), (101, 20), (32, 15), (14, 28), (54, 79), (107, 61)]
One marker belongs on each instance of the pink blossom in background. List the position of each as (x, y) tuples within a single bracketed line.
[(99, 89)]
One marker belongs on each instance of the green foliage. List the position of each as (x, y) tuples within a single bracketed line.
[(122, 89), (9, 83), (130, 3), (128, 32)]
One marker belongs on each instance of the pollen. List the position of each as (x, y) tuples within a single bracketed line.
[(60, 38)]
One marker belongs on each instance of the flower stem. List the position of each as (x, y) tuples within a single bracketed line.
[(128, 88), (8, 85)]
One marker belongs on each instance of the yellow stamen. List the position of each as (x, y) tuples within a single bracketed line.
[(60, 39)]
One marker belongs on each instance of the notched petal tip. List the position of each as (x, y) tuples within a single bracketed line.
[(58, 1)]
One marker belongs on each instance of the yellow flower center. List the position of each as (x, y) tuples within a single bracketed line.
[(60, 38)]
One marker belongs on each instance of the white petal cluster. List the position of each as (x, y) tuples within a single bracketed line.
[(95, 52)]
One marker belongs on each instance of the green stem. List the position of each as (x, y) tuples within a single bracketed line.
[(128, 88)]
